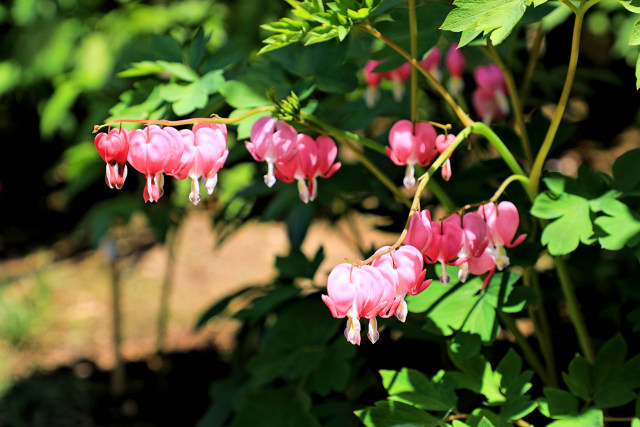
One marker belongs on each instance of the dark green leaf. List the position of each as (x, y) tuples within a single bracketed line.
[(560, 403), (412, 387), (219, 307), (263, 305), (580, 378), (625, 171), (392, 413), (464, 345)]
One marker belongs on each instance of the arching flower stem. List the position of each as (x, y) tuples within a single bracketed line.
[(216, 119)]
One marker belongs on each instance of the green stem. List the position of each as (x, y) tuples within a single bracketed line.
[(527, 350), (588, 5), (570, 6), (515, 100), (462, 115), (512, 163), (531, 64), (574, 310), (541, 324), (536, 171), (219, 120), (523, 179), (413, 34), (339, 133), (375, 171)]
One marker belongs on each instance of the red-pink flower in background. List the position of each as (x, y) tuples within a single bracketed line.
[(455, 65), (489, 98), (411, 145), (432, 63)]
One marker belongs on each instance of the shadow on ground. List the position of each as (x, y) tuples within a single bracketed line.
[(161, 391)]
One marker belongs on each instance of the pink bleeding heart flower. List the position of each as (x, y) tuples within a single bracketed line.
[(489, 98), (419, 233), (442, 143), (271, 141), (215, 126), (406, 266), (502, 223), (152, 151), (475, 241), (313, 158), (411, 145), (431, 63), (326, 165), (455, 65), (301, 166), (355, 292), (113, 147), (445, 245), (204, 155)]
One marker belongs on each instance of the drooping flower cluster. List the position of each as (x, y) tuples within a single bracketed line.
[(411, 144), (292, 156), (489, 98), (155, 151), (375, 290), (454, 62), (475, 241)]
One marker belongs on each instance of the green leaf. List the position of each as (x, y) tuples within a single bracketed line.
[(560, 403), (631, 5), (520, 297), (412, 387), (610, 379), (590, 417), (392, 413), (274, 408), (239, 94), (188, 98), (465, 307), (634, 38), (476, 375), (496, 18), (638, 73), (625, 171), (219, 307), (464, 345), (580, 378), (621, 225), (429, 16), (264, 304), (573, 225)]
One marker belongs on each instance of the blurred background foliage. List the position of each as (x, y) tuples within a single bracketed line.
[(67, 65)]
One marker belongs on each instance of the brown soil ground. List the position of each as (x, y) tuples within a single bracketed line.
[(75, 320)]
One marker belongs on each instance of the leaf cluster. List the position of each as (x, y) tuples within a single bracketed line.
[(593, 207)]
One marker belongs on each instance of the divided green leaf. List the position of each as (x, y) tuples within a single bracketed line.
[(496, 18)]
